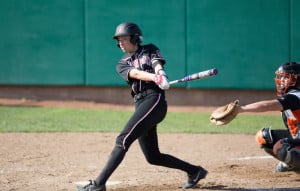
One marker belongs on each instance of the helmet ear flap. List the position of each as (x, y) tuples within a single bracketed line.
[(135, 39)]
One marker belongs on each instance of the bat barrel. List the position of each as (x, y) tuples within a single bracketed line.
[(197, 76), (203, 74)]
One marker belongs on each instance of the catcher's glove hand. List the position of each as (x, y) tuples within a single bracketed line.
[(224, 114)]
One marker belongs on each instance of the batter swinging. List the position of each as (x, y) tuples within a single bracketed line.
[(142, 68)]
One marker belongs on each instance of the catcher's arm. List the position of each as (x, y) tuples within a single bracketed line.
[(261, 106), (225, 114)]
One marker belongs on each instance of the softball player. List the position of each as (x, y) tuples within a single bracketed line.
[(142, 68), (282, 144)]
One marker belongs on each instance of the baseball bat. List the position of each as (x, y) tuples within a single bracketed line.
[(197, 76)]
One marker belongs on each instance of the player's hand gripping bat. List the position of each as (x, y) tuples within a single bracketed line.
[(196, 76)]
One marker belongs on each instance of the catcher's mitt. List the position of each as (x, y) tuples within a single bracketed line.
[(225, 114)]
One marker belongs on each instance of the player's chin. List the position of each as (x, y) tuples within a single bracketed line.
[(122, 48)]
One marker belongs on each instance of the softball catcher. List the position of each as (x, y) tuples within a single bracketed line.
[(142, 68), (282, 144)]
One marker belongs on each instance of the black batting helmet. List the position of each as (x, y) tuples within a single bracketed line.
[(287, 77), (129, 29)]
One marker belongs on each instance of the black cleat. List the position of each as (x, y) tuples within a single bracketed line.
[(92, 186), (194, 178), (283, 167)]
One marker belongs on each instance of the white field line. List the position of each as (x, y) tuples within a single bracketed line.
[(251, 158)]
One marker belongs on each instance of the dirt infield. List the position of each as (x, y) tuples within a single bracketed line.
[(57, 161)]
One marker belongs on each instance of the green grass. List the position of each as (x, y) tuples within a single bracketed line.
[(37, 119)]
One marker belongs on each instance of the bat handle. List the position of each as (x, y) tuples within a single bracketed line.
[(173, 82)]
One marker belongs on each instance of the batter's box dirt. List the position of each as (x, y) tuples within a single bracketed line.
[(56, 161)]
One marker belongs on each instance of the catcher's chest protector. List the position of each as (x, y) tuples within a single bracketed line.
[(293, 119), (293, 122)]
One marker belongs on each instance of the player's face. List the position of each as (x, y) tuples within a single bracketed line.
[(284, 81), (126, 45)]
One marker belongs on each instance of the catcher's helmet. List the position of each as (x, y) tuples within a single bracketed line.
[(287, 77), (129, 29)]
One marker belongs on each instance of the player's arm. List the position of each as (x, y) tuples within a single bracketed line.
[(141, 75), (157, 65), (262, 106), (160, 76)]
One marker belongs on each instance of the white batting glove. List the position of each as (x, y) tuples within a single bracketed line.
[(161, 80), (164, 85)]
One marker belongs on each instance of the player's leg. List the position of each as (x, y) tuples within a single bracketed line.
[(288, 151), (145, 113), (124, 140), (150, 148), (267, 138), (148, 137)]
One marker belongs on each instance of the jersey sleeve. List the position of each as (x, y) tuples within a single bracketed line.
[(289, 101), (123, 69), (156, 54)]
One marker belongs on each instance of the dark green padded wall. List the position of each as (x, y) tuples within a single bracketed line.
[(69, 42), (41, 42), (295, 30), (245, 40), (162, 23)]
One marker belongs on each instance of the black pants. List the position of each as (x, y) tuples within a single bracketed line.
[(149, 111)]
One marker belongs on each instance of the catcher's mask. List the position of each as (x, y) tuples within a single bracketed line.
[(129, 29), (287, 76)]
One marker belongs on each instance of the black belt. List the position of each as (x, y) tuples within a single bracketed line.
[(143, 94)]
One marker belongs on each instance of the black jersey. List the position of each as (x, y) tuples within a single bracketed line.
[(290, 101), (143, 60)]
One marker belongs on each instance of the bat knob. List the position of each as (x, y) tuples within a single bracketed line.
[(215, 71)]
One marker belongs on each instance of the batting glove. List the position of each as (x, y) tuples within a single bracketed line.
[(161, 80)]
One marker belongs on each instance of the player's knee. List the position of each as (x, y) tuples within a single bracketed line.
[(287, 153), (293, 157), (154, 159), (264, 136), (121, 144), (280, 149)]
